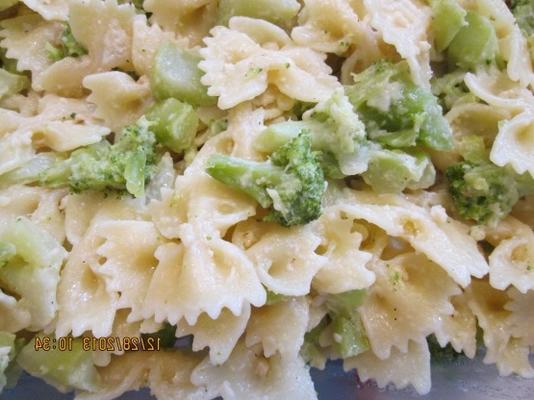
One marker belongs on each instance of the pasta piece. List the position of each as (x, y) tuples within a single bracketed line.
[(503, 349), (67, 136), (25, 38), (14, 316), (512, 261), (166, 373), (85, 304), (220, 335), (15, 150), (286, 260), (401, 368), (497, 90), (125, 259), (443, 240), (274, 103), (119, 99), (244, 125), (521, 319), (346, 267), (410, 298), (51, 10), (190, 18), (238, 68), (280, 328), (104, 28), (329, 26), (266, 378), (203, 275), (459, 329), (404, 24), (514, 144)]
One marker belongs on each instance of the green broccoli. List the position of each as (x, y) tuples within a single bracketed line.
[(124, 165), (291, 182), (450, 88), (523, 11), (482, 191), (396, 112), (68, 46), (175, 124), (11, 83)]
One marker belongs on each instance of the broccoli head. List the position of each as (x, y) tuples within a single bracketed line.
[(123, 166), (395, 111), (292, 182), (68, 46), (482, 192)]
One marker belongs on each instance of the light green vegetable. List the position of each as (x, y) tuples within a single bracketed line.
[(275, 298), (523, 11), (448, 17), (333, 126), (485, 192), (5, 4), (475, 44), (387, 101), (176, 74), (291, 182), (68, 46), (392, 171), (7, 251), (32, 273), (125, 165), (450, 88), (12, 83), (174, 123), (311, 351), (279, 12), (349, 334), (63, 369)]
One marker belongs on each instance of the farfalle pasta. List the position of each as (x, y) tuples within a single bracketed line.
[(208, 198)]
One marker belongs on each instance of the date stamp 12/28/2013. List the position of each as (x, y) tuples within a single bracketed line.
[(108, 343)]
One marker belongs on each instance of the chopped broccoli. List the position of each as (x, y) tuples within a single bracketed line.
[(279, 12), (349, 334), (343, 149), (68, 46), (523, 11), (475, 44), (5, 4), (174, 123), (388, 101), (11, 83), (448, 17), (483, 192), (450, 88), (176, 74), (166, 335), (291, 182), (124, 165)]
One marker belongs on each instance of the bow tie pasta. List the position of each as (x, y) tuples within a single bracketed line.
[(207, 198)]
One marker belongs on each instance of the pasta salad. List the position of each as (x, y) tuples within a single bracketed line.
[(280, 182)]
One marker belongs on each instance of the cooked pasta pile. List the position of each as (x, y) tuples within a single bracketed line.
[(285, 182)]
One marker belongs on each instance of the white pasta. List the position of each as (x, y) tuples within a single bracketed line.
[(119, 100), (401, 368), (237, 76), (256, 195), (408, 302), (280, 328), (249, 375)]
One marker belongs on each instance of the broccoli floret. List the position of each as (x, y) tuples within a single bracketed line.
[(450, 88), (291, 182), (482, 191), (124, 165), (68, 46), (393, 107), (523, 11)]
